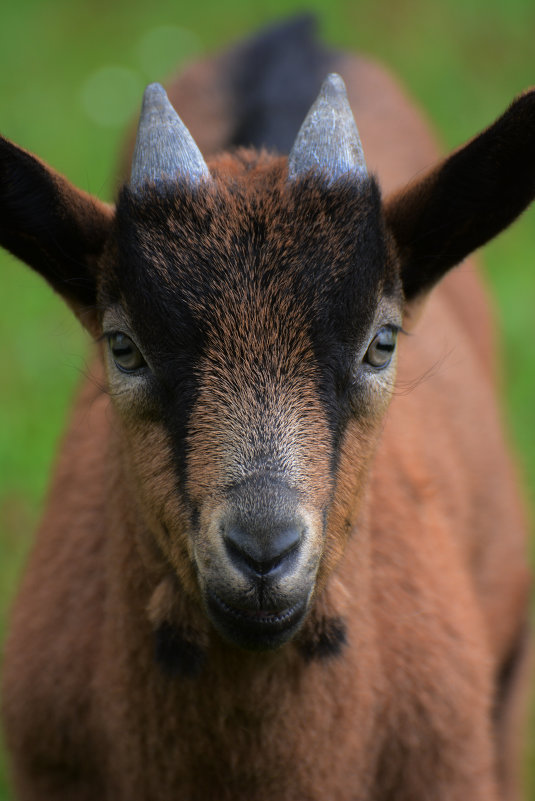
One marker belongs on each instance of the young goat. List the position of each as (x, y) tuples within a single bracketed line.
[(262, 572)]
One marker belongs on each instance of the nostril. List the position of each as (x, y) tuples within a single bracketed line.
[(263, 555)]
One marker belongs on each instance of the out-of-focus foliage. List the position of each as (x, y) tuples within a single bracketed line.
[(71, 78)]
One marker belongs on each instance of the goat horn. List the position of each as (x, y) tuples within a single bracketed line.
[(165, 150), (328, 139)]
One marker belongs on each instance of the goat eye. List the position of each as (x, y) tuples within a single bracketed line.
[(381, 348), (126, 355)]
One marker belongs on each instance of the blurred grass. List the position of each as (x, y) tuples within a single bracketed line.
[(71, 75)]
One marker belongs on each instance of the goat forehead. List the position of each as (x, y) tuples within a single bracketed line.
[(260, 261), (247, 300)]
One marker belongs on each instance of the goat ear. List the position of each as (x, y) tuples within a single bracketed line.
[(57, 229), (465, 201)]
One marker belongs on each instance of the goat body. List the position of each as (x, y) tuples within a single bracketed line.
[(160, 647)]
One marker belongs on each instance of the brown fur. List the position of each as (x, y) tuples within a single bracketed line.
[(424, 561)]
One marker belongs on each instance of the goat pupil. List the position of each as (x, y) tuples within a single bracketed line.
[(381, 348), (125, 353)]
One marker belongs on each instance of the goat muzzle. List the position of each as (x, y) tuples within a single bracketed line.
[(258, 562)]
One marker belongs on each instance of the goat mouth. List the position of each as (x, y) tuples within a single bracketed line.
[(255, 629)]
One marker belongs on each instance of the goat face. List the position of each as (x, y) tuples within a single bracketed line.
[(251, 311), (248, 378)]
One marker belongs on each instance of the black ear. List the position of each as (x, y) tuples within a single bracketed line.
[(466, 200), (57, 229)]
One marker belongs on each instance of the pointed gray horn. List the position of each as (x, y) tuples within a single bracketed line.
[(328, 140), (165, 150)]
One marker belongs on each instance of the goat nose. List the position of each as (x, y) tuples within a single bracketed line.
[(272, 553)]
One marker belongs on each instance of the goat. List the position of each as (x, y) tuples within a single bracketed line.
[(262, 572)]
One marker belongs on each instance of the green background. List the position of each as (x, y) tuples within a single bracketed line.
[(71, 77)]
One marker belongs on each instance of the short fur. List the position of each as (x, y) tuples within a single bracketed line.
[(143, 661)]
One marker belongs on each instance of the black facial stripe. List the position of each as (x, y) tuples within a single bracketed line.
[(351, 310), (177, 415), (176, 345)]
